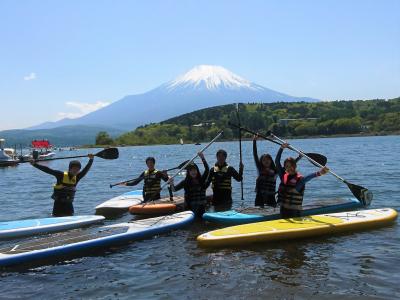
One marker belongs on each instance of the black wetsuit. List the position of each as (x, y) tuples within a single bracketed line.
[(266, 182), (63, 207), (195, 191), (152, 184), (221, 178)]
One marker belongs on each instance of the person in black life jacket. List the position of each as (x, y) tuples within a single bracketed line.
[(221, 179), (266, 180), (65, 188), (152, 181), (195, 187), (292, 186)]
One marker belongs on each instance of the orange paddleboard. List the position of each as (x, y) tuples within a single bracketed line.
[(159, 207)]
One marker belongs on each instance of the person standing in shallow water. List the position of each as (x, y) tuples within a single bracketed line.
[(195, 187), (152, 181), (292, 186), (65, 188), (266, 180), (221, 179)]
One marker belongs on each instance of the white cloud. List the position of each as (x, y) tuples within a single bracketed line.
[(80, 109), (31, 76)]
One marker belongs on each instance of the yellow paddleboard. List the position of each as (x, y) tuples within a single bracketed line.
[(300, 227)]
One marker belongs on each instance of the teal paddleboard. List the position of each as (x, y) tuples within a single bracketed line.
[(255, 214)]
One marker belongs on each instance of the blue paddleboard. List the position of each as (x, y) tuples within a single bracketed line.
[(254, 214)]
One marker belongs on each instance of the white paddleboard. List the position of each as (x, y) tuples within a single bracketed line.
[(12, 229), (79, 241), (120, 204)]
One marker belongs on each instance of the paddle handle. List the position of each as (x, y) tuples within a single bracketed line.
[(255, 133), (194, 157), (240, 148), (309, 158)]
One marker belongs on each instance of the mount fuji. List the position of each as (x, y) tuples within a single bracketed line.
[(201, 87)]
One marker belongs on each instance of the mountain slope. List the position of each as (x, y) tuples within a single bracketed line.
[(201, 87)]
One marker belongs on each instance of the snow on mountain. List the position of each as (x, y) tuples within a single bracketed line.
[(210, 77), (201, 87)]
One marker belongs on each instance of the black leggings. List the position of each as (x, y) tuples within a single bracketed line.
[(263, 199), (63, 209), (290, 213)]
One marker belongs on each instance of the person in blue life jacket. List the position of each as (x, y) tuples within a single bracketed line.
[(195, 187), (152, 181), (292, 186), (266, 179), (220, 178), (65, 188)]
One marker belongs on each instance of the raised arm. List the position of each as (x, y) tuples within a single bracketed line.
[(278, 164), (206, 168), (238, 176), (56, 173), (85, 169), (255, 154), (302, 182)]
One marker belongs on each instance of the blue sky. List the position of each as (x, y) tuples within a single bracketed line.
[(65, 58)]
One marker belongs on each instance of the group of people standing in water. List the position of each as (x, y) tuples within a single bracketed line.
[(289, 195)]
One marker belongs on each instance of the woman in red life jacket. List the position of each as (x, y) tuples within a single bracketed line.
[(292, 186), (266, 180)]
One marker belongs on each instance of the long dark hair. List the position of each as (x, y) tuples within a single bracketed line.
[(273, 167), (189, 178)]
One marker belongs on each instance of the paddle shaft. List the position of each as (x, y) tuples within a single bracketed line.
[(194, 157), (309, 158), (126, 181), (240, 148)]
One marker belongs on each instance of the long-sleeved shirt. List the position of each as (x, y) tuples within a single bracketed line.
[(203, 180), (136, 181), (281, 171), (59, 175)]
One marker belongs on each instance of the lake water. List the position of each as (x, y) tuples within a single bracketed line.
[(360, 265)]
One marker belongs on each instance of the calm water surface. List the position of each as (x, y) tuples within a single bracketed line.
[(360, 265)]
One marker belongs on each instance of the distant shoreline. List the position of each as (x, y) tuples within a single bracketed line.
[(250, 139)]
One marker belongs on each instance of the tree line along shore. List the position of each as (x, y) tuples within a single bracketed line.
[(288, 119)]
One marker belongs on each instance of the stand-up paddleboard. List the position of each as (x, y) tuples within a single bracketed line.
[(12, 229), (159, 207), (256, 214), (78, 241), (119, 205), (301, 227)]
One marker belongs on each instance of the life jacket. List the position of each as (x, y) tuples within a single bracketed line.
[(152, 183), (266, 182), (195, 195), (221, 180), (65, 191), (288, 195)]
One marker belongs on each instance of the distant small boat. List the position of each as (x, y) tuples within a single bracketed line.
[(41, 149), (197, 144), (181, 141)]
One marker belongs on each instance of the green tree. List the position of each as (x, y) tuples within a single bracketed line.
[(103, 138)]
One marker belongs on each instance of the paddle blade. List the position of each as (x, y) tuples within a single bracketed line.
[(361, 193), (319, 158), (109, 153), (182, 164)]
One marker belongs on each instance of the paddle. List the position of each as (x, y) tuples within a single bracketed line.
[(126, 181), (361, 193), (109, 153), (240, 146), (321, 159), (194, 157)]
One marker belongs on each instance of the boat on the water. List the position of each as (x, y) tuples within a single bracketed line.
[(41, 150), (8, 157)]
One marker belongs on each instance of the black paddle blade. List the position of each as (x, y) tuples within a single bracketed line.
[(109, 153), (361, 193), (319, 158), (182, 164)]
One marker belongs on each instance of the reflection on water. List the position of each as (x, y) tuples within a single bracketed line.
[(171, 265)]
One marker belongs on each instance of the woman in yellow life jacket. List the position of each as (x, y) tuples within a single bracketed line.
[(152, 181), (221, 179), (65, 188), (292, 186)]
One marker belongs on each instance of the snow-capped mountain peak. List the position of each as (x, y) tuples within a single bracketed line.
[(210, 77)]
